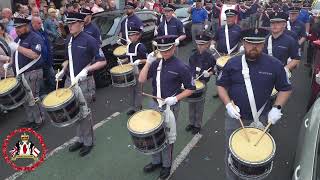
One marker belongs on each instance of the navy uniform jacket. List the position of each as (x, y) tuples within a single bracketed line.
[(299, 28), (204, 61), (292, 34), (173, 73), (85, 50), (32, 41), (265, 74), (234, 38), (46, 51), (133, 21), (283, 47), (174, 27), (93, 31), (142, 52)]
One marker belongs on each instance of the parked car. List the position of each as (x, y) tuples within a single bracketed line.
[(307, 157), (182, 14)]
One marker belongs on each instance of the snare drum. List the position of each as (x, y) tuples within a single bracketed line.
[(62, 107), (120, 52), (123, 75), (221, 62), (12, 93), (147, 131), (199, 93), (248, 161)]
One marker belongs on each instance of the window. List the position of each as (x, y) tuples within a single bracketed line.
[(107, 25)]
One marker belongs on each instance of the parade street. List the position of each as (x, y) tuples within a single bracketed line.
[(199, 157)]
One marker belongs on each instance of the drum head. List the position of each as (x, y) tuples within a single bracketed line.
[(121, 69), (7, 84), (221, 61), (199, 84), (145, 121), (246, 151), (57, 98), (120, 51)]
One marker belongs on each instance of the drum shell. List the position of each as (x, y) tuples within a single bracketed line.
[(123, 79), (13, 98), (197, 95), (250, 169), (65, 114), (149, 142)]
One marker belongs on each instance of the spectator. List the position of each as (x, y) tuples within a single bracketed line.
[(97, 6), (112, 5), (51, 25), (34, 13), (32, 4), (6, 15), (69, 9), (4, 51), (76, 7), (19, 12)]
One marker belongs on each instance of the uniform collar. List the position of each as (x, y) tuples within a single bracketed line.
[(77, 35), (172, 58), (25, 35), (87, 25)]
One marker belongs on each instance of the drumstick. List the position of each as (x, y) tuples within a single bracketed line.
[(152, 96), (265, 130), (122, 39), (57, 84), (244, 130), (5, 72), (202, 74), (119, 62)]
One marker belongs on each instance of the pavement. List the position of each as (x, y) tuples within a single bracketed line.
[(114, 157)]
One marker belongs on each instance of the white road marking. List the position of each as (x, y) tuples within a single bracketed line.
[(184, 153), (66, 144)]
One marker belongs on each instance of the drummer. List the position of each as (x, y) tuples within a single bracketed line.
[(137, 54), (131, 20), (281, 45), (296, 25), (167, 76), (228, 36), (27, 64), (171, 25), (89, 27), (79, 68), (200, 61), (264, 73)]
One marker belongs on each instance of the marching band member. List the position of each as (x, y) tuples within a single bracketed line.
[(280, 45), (27, 64), (200, 61), (137, 54), (131, 20), (167, 76), (228, 36), (248, 80), (81, 49), (295, 25)]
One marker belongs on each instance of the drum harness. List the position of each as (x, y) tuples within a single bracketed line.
[(83, 103), (226, 32), (269, 48), (169, 119), (126, 30), (135, 53), (255, 114)]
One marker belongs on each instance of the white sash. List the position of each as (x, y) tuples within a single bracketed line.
[(126, 30), (269, 48), (288, 25), (165, 27), (226, 32), (26, 67), (135, 53), (71, 60), (158, 78), (247, 81)]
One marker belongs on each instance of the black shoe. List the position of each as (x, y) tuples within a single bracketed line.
[(165, 172), (37, 126), (151, 167), (75, 146), (196, 130), (85, 150), (189, 128), (131, 112)]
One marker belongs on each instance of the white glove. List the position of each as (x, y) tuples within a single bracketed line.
[(177, 42), (6, 66), (212, 47), (170, 101), (151, 58), (119, 42), (206, 74), (274, 115), (206, 27), (60, 75), (241, 49), (136, 62), (288, 73), (198, 69), (13, 46), (155, 33), (318, 78), (233, 110), (83, 74)]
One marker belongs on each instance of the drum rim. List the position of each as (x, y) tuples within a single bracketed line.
[(120, 54), (58, 105), (13, 87), (127, 72), (149, 131), (271, 156)]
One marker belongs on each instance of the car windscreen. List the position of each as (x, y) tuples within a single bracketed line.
[(107, 25), (182, 13), (317, 6)]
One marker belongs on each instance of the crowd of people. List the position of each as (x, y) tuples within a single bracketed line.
[(263, 43)]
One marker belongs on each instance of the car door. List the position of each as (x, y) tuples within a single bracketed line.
[(149, 23)]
